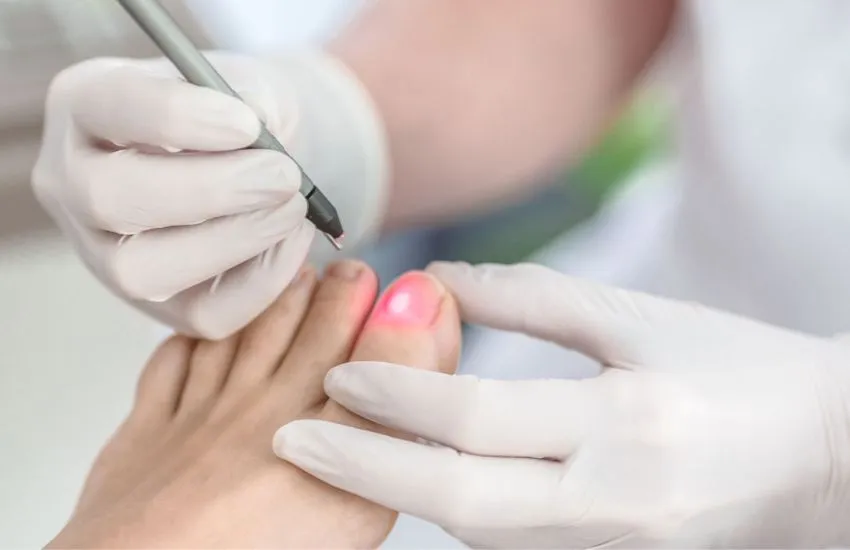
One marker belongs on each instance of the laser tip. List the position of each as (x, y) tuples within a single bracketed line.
[(336, 243)]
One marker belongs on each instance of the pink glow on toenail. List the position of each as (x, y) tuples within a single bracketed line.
[(413, 300), (399, 303)]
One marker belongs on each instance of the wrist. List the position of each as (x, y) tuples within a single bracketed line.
[(340, 140)]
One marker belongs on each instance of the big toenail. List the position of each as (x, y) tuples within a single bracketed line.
[(346, 270), (413, 300)]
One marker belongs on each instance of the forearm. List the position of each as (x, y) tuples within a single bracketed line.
[(481, 98)]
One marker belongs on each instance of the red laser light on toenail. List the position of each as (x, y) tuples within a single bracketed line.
[(413, 301), (399, 303)]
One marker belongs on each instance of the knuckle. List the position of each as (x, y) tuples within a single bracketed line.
[(69, 79), (79, 81), (126, 275), (42, 182), (64, 81), (100, 202)]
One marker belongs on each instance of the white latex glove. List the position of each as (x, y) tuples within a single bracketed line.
[(215, 231), (703, 430)]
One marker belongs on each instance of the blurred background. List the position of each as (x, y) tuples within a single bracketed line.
[(70, 352)]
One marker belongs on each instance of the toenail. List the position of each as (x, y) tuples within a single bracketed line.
[(346, 270), (413, 300)]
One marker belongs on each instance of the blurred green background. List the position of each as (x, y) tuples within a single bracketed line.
[(517, 232)]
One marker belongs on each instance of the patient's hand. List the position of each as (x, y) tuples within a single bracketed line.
[(193, 467)]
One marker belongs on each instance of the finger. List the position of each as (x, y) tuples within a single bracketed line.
[(614, 326), (129, 105), (158, 264), (484, 417), (602, 322), (436, 484), (248, 76), (217, 311), (127, 192)]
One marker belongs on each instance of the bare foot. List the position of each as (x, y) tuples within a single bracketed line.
[(193, 466)]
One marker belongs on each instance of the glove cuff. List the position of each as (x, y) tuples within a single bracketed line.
[(340, 142)]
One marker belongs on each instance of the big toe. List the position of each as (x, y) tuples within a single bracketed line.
[(414, 324)]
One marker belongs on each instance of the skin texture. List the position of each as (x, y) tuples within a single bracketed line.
[(193, 467), (482, 98)]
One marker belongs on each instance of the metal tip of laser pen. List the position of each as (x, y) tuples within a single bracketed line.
[(336, 243)]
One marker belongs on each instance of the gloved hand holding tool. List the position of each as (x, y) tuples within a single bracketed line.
[(153, 179)]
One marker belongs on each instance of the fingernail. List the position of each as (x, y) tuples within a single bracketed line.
[(346, 269), (413, 300)]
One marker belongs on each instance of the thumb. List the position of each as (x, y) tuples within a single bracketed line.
[(616, 327), (608, 324)]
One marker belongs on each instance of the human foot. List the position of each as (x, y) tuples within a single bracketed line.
[(192, 466)]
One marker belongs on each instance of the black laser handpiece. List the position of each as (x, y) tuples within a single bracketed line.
[(175, 44)]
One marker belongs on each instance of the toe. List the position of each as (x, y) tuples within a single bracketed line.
[(208, 369), (162, 381), (264, 342), (337, 312), (414, 324)]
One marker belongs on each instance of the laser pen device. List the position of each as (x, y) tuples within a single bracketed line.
[(158, 24)]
